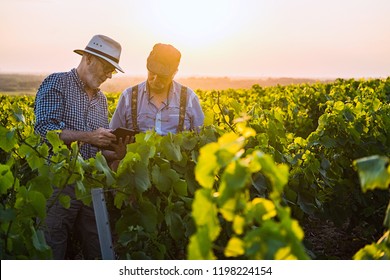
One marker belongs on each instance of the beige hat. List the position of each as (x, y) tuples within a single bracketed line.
[(104, 47)]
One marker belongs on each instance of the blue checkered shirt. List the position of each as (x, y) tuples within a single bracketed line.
[(62, 103)]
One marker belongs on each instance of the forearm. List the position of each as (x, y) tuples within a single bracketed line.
[(69, 136), (101, 137)]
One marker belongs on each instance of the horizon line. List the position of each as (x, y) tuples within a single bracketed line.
[(198, 76)]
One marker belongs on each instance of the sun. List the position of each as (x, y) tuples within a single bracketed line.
[(191, 23)]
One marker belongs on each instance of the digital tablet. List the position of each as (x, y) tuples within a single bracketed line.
[(122, 132)]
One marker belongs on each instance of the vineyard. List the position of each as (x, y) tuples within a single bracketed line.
[(269, 169)]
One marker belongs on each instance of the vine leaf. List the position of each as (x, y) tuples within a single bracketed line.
[(374, 172), (7, 139), (6, 178), (101, 165)]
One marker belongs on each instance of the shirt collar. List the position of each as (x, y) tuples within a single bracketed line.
[(173, 89), (80, 83)]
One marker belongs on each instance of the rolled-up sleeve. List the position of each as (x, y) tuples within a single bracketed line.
[(123, 108), (49, 106)]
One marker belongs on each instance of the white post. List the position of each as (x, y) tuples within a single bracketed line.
[(103, 224)]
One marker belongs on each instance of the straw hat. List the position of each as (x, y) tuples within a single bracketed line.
[(105, 48)]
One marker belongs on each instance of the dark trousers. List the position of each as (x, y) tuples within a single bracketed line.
[(78, 219)]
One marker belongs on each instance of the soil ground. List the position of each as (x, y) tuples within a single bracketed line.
[(324, 240)]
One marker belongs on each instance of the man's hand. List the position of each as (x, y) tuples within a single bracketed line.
[(102, 137), (120, 148), (118, 152)]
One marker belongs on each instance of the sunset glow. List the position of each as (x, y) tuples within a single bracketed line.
[(257, 38), (208, 24)]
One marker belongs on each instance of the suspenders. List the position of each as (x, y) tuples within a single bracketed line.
[(134, 96), (182, 112), (183, 106)]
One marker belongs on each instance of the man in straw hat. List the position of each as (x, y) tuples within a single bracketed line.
[(72, 103), (159, 103)]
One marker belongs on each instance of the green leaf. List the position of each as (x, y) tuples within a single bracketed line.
[(7, 215), (373, 251), (38, 239), (41, 184), (189, 143), (64, 200), (306, 203), (164, 177), (21, 198), (207, 166), (101, 165), (142, 177), (34, 160), (386, 222), (80, 188), (171, 149), (6, 178), (175, 224), (209, 117), (235, 105), (235, 247), (200, 245), (18, 114), (8, 139), (180, 187), (224, 157), (238, 224), (148, 215), (338, 106), (277, 174), (374, 172), (35, 140), (205, 213), (263, 242), (328, 142), (376, 104), (146, 151), (38, 202), (261, 209), (119, 199), (231, 142), (125, 173), (216, 109), (161, 178), (234, 178), (53, 136), (229, 208)]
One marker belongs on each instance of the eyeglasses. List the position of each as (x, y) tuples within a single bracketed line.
[(107, 68)]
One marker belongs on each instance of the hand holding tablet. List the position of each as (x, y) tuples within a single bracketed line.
[(122, 132)]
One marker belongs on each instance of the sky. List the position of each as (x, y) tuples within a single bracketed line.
[(220, 38)]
